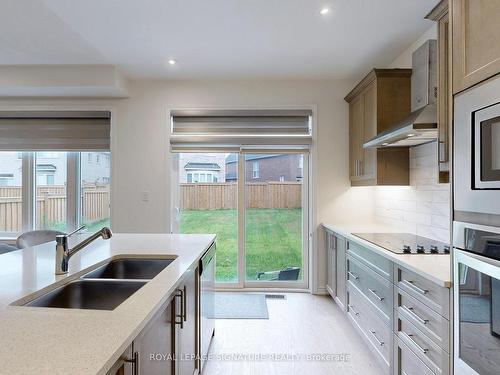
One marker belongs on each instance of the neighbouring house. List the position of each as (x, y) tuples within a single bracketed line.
[(205, 168), (267, 167)]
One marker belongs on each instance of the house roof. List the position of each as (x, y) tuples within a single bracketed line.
[(202, 166), (233, 158)]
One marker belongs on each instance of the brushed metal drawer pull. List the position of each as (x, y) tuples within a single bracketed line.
[(352, 308), (381, 343), (376, 295), (410, 337), (414, 314), (355, 277), (412, 285)]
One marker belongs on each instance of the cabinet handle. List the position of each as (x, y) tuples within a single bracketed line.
[(355, 277), (180, 294), (376, 295), (134, 361), (184, 302), (381, 343), (412, 313), (352, 308), (410, 337), (412, 285)]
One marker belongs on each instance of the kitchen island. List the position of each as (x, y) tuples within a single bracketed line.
[(40, 340)]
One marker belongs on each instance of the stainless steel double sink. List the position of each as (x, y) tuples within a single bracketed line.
[(106, 287)]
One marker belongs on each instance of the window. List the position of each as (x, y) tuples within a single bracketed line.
[(301, 162), (282, 178), (95, 193), (189, 178), (89, 157), (11, 177), (50, 184), (255, 169), (97, 159), (51, 195)]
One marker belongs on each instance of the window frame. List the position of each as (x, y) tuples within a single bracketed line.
[(255, 169)]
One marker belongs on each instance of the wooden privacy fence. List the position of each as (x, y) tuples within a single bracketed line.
[(51, 205), (216, 196)]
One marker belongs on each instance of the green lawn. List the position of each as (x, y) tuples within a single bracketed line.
[(273, 239)]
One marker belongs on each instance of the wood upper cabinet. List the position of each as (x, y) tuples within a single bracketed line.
[(379, 101), (445, 98), (476, 51)]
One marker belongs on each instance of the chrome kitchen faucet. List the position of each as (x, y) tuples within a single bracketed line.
[(63, 253)]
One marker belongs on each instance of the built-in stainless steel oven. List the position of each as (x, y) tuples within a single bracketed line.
[(477, 149), (476, 299)]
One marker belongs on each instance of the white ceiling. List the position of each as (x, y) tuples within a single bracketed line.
[(212, 38)]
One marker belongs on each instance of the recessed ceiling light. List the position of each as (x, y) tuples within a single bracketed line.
[(172, 61), (324, 11)]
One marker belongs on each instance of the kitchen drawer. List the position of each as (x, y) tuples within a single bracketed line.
[(427, 292), (376, 262), (378, 290), (406, 362), (373, 328), (433, 325), (424, 348)]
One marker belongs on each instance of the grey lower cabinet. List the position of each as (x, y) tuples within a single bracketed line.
[(336, 268), (186, 334), (168, 345), (402, 316)]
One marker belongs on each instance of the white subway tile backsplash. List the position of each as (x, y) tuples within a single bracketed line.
[(424, 206)]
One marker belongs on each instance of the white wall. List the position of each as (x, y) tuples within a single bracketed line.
[(404, 59)]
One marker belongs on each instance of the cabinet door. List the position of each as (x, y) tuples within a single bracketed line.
[(476, 51), (356, 116), (154, 346), (330, 263), (340, 262), (187, 348), (369, 165)]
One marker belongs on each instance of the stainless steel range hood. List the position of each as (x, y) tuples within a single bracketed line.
[(421, 125)]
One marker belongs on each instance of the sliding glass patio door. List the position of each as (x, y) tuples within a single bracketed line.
[(257, 205), (274, 230)]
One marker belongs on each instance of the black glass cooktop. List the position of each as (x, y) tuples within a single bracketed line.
[(405, 243)]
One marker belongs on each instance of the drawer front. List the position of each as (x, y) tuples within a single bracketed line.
[(376, 262), (433, 325), (424, 348), (406, 362), (372, 326), (375, 288), (427, 292)]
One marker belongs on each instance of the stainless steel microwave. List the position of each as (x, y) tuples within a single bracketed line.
[(477, 149)]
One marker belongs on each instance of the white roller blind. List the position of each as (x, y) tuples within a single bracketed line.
[(55, 131), (232, 128)]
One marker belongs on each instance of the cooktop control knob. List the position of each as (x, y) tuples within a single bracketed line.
[(406, 249), (420, 249), (434, 249)]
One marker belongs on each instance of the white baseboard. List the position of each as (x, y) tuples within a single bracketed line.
[(321, 291)]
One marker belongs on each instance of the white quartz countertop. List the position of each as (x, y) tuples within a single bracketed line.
[(53, 341), (436, 268)]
